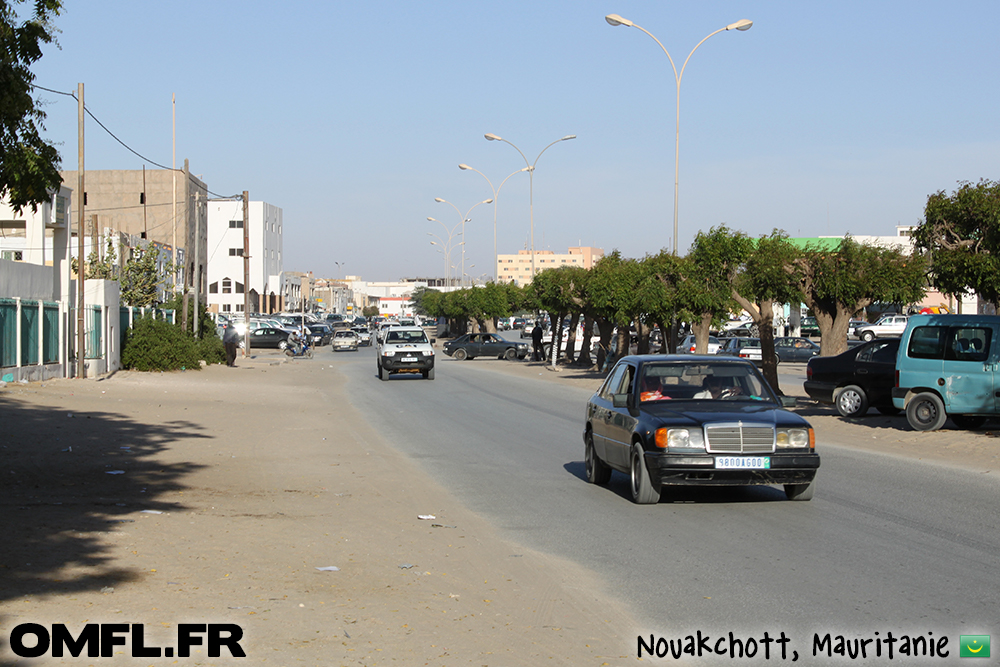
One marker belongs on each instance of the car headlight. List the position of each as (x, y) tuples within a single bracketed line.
[(428, 353), (388, 353), (680, 438), (797, 438)]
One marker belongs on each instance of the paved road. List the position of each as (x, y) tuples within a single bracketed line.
[(887, 544)]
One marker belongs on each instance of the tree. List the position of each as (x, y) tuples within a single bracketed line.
[(29, 165), (556, 293), (140, 279), (706, 291), (759, 282), (837, 284), (613, 299), (962, 233), (659, 293), (105, 268)]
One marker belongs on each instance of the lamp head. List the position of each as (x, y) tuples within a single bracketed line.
[(432, 219), (492, 137), (614, 19), (742, 24), (464, 166), (488, 201), (568, 137), (438, 199)]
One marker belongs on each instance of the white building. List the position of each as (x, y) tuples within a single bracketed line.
[(226, 289)]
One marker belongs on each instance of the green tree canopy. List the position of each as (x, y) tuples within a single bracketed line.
[(29, 165), (962, 233)]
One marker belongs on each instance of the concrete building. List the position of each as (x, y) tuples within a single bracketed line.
[(517, 268), (226, 271), (141, 204)]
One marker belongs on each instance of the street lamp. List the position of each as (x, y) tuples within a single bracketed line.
[(741, 25), (496, 194), (531, 185), (445, 247), (465, 218)]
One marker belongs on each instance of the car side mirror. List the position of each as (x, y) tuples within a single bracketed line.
[(788, 401), (619, 400), (433, 340)]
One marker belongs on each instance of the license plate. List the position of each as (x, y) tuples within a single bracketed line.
[(743, 462), (408, 359)]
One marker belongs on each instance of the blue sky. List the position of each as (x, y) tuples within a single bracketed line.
[(823, 118)]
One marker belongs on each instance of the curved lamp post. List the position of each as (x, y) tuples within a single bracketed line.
[(531, 185), (445, 247), (742, 24), (465, 218), (496, 194)]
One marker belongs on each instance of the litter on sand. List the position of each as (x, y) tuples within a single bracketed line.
[(406, 566), (152, 512), (426, 517), (329, 568)]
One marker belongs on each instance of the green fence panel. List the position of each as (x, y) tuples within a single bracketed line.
[(50, 333), (30, 331), (8, 332)]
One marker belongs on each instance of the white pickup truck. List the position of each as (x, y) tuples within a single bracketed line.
[(405, 350)]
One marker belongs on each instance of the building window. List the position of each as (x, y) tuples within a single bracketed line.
[(239, 308), (236, 224), (226, 308), (213, 288), (239, 288), (227, 286), (236, 252)]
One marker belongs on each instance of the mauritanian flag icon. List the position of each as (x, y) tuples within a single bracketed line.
[(974, 646)]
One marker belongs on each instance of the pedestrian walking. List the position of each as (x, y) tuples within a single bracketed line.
[(536, 341), (230, 341)]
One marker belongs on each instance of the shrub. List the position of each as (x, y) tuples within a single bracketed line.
[(210, 348), (158, 345)]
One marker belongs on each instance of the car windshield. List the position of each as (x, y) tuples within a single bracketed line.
[(702, 381), (406, 337)]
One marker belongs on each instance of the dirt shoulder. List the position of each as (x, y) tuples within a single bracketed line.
[(217, 496)]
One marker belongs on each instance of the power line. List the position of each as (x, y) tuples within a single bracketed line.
[(126, 146)]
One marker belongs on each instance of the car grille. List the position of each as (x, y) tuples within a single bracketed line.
[(739, 438)]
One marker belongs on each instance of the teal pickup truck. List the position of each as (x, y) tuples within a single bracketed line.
[(948, 366)]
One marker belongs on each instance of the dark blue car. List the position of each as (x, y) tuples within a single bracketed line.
[(696, 421)]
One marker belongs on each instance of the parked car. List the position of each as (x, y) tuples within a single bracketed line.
[(809, 327), (795, 349), (364, 335), (857, 379), (687, 346), (319, 335), (268, 337), (731, 347), (889, 325), (743, 329), (526, 330), (470, 346), (345, 339), (683, 420), (946, 367)]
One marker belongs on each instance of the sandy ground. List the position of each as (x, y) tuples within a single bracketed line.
[(215, 496)]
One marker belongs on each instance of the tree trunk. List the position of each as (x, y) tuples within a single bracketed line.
[(833, 323), (607, 329), (588, 329), (769, 362), (643, 331), (700, 329), (571, 339), (488, 324), (621, 349)]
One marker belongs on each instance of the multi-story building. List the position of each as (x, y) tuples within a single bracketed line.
[(136, 205), (517, 268), (226, 270)]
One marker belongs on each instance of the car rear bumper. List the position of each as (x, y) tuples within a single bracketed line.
[(819, 391), (700, 470)]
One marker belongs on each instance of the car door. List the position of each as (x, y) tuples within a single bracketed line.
[(619, 426), (491, 345), (601, 411), (783, 348), (875, 370), (967, 371)]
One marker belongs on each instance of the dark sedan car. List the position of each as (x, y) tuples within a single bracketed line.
[(269, 337), (319, 335), (795, 349), (471, 346), (730, 347), (683, 420), (854, 380)]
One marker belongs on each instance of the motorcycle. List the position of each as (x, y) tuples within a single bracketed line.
[(303, 351)]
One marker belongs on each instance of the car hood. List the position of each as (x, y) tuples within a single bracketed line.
[(700, 412)]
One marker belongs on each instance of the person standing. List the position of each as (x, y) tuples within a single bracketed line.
[(230, 341), (536, 341)]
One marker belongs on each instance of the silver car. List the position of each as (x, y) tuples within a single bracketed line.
[(345, 339)]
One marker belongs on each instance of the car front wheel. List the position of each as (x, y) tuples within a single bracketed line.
[(510, 354), (867, 336), (383, 374), (598, 471), (925, 412), (852, 401), (643, 492)]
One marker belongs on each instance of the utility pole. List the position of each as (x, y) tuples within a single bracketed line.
[(197, 259), (80, 236), (187, 235), (173, 200), (246, 271)]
